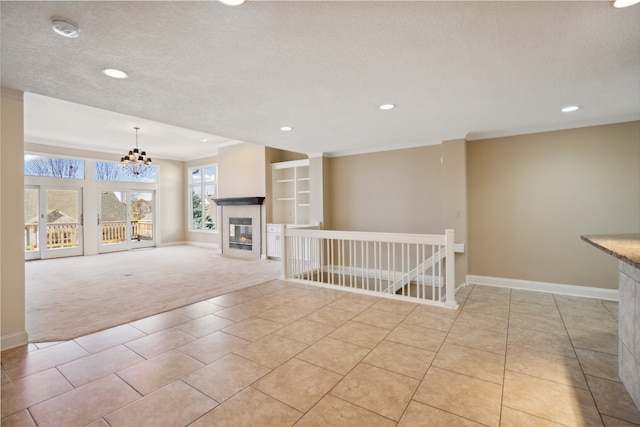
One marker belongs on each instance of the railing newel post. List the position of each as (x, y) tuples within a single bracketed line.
[(450, 272), (284, 260)]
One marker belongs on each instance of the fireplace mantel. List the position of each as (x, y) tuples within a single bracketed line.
[(239, 201)]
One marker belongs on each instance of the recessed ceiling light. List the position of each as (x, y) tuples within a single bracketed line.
[(65, 27), (232, 2), (387, 107), (116, 74), (619, 4), (286, 128), (570, 108), (203, 139)]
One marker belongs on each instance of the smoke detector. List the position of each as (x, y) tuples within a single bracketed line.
[(65, 27)]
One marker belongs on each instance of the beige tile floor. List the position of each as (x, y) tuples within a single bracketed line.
[(283, 354)]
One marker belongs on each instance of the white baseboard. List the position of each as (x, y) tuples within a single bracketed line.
[(161, 245), (189, 243), (14, 339), (204, 245), (554, 288)]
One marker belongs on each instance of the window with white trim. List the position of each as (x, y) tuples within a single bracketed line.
[(203, 189), (53, 166)]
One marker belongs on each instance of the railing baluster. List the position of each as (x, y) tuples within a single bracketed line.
[(389, 268), (353, 260), (375, 266), (379, 268), (361, 269), (367, 264), (417, 272), (331, 263), (341, 260), (408, 271)]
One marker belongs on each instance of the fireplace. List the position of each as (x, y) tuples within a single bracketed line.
[(240, 236), (241, 226)]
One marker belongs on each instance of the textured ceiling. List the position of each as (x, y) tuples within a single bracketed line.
[(199, 69)]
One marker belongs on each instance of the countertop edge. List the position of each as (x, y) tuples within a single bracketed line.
[(627, 248)]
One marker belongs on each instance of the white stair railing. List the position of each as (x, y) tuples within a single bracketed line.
[(416, 267), (418, 273)]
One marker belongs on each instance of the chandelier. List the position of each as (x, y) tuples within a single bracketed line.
[(136, 162)]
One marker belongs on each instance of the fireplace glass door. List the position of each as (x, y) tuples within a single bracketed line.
[(240, 234)]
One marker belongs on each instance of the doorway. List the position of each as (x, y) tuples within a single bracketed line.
[(53, 222), (126, 220)]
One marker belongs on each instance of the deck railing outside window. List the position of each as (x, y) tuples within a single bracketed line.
[(66, 235)]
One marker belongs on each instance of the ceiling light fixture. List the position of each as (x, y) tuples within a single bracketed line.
[(65, 27), (136, 162), (570, 108), (286, 128), (387, 107), (203, 139), (232, 2), (619, 4), (115, 73)]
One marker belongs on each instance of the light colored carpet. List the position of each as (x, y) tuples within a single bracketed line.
[(71, 297)]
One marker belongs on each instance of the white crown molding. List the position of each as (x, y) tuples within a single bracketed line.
[(477, 136)]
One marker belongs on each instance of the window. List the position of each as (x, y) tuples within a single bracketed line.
[(203, 189), (55, 167), (112, 171)]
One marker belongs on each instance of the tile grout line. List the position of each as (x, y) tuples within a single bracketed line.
[(595, 403), (504, 367)]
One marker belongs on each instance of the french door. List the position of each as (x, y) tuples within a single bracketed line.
[(53, 222), (126, 220)]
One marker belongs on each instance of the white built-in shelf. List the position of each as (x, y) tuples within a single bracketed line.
[(291, 182)]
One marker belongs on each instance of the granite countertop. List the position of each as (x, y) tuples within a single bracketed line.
[(625, 247)]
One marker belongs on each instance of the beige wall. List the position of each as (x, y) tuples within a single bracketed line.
[(171, 193), (319, 183), (12, 223), (454, 199), (394, 191), (272, 155), (532, 196), (242, 170)]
